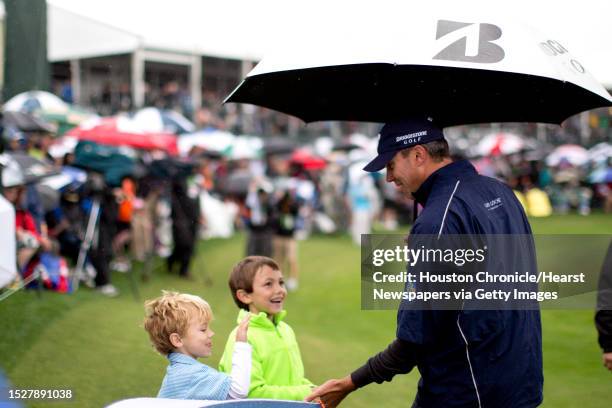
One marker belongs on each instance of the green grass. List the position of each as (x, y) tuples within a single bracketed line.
[(96, 346)]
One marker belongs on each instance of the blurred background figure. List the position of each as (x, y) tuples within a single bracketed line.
[(185, 224), (285, 244), (259, 221), (362, 202)]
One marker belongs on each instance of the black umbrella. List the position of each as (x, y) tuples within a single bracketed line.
[(453, 71)]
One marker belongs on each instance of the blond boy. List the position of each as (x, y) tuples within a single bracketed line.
[(179, 328)]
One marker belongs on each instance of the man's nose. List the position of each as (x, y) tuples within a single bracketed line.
[(389, 177)]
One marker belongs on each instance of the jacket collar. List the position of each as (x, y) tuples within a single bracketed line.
[(453, 171), (180, 358), (261, 319)]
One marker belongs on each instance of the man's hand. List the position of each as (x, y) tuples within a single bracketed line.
[(607, 360), (241, 333), (332, 392)]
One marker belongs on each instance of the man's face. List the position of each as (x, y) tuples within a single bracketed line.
[(404, 170)]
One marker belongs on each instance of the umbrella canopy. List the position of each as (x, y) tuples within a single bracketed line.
[(215, 140), (114, 163), (33, 101), (25, 122), (51, 108), (457, 72), (572, 154), (600, 153), (122, 131), (500, 143), (32, 168), (245, 147), (278, 145), (69, 178), (12, 175), (162, 121), (308, 160)]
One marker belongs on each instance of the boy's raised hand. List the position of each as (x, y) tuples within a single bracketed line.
[(241, 333)]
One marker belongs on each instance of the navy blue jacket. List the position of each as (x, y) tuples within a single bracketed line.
[(473, 358)]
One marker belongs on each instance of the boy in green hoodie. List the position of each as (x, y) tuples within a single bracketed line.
[(277, 371)]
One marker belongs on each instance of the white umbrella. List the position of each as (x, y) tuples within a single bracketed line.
[(455, 71), (36, 100), (162, 120), (500, 143), (215, 140), (246, 147), (8, 262), (573, 154), (601, 152)]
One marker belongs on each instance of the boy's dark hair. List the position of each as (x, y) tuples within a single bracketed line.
[(243, 274)]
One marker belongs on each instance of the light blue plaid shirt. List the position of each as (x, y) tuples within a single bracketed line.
[(187, 378)]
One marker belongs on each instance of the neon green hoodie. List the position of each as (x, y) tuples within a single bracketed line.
[(277, 371)]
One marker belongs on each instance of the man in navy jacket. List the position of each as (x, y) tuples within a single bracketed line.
[(466, 358)]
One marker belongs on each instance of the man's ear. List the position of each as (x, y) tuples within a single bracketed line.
[(176, 341), (243, 296), (420, 154)]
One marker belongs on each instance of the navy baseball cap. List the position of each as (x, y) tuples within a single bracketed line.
[(400, 135)]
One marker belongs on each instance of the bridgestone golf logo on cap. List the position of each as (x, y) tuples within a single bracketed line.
[(472, 42), (411, 138)]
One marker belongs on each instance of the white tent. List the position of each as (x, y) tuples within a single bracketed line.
[(8, 262)]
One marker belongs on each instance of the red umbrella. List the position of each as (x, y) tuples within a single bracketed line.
[(122, 131), (308, 160)]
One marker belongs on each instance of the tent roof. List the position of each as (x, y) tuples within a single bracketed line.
[(246, 29)]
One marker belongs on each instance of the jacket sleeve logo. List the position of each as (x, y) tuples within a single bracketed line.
[(469, 42)]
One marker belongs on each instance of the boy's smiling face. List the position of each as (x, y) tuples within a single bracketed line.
[(268, 294), (197, 340)]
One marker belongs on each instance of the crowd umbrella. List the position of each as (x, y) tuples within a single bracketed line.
[(276, 145), (32, 168), (51, 108), (499, 143), (122, 131), (33, 101), (600, 153), (157, 120), (307, 160), (210, 139), (109, 161), (569, 153), (25, 122), (456, 72), (70, 178), (245, 147)]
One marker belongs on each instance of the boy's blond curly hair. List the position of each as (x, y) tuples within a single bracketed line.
[(171, 313)]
